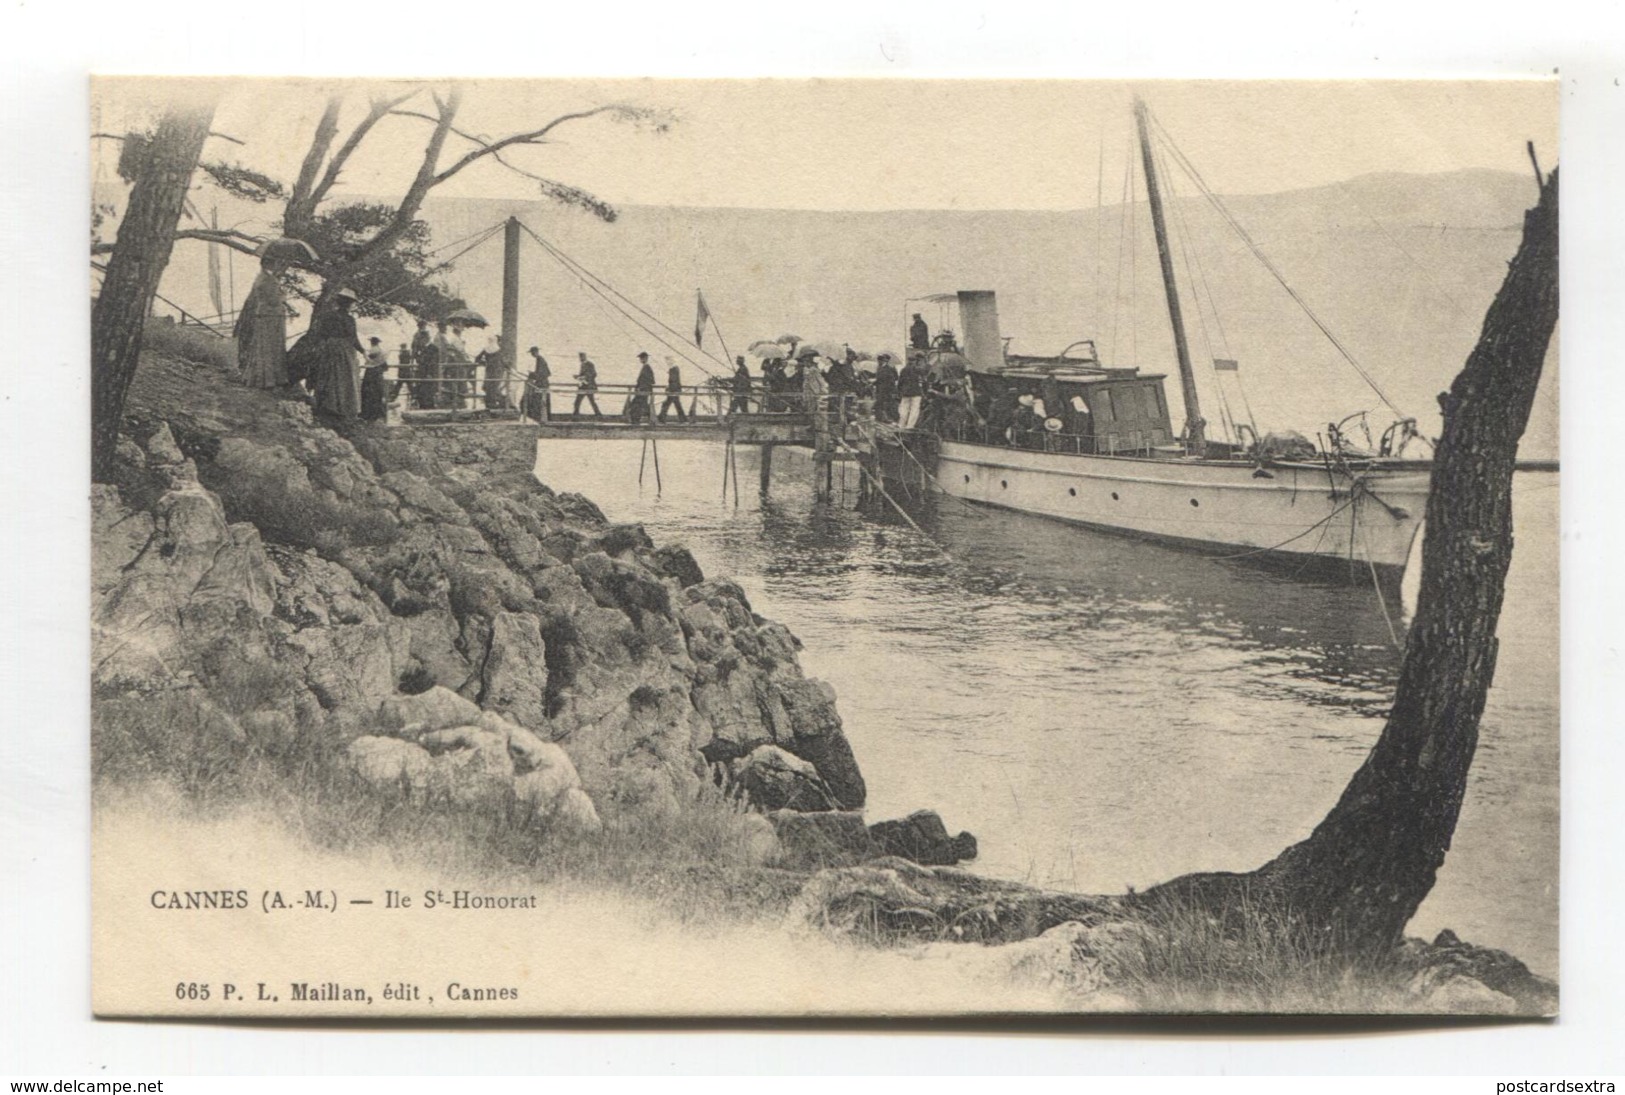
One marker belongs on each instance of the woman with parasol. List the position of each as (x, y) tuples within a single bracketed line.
[(262, 325)]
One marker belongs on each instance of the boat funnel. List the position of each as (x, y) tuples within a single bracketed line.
[(979, 320)]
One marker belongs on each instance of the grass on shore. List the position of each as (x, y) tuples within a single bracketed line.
[(693, 861), (1252, 960), (189, 343), (696, 857)]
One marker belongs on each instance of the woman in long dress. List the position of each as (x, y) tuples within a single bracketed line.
[(338, 349), (262, 332)]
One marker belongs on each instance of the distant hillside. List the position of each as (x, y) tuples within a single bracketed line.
[(1400, 266)]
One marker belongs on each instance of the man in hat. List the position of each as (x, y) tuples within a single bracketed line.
[(586, 387), (426, 359), (919, 335), (740, 403), (1026, 422), (674, 391), (643, 390), (496, 375), (537, 402), (421, 339), (1002, 415), (910, 391), (885, 390), (842, 377)]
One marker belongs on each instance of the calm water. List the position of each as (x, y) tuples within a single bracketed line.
[(1104, 713)]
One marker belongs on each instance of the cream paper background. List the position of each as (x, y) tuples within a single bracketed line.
[(47, 1016)]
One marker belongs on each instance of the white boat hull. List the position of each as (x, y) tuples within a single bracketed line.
[(1301, 512)]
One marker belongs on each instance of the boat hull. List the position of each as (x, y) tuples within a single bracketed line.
[(1302, 514)]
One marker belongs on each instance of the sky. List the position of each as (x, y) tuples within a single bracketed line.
[(838, 144)]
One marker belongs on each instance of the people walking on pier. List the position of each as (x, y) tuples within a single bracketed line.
[(775, 382), (674, 391), (496, 376), (456, 365), (448, 352), (643, 390), (421, 337), (795, 384), (814, 392), (740, 403), (372, 381), (885, 390), (337, 389), (537, 402), (919, 335), (426, 392), (842, 378), (910, 391), (586, 387)]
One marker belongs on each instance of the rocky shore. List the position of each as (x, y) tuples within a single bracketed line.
[(443, 631)]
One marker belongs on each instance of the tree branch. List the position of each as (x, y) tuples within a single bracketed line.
[(425, 180), (301, 205), (481, 141), (533, 137), (379, 109), (120, 137), (230, 237)]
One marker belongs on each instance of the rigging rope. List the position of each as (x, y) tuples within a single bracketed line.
[(488, 234), (1344, 190), (1258, 253), (604, 289)]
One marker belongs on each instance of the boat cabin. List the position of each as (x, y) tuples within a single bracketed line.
[(1103, 409)]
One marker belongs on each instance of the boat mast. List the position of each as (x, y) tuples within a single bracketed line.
[(1194, 437)]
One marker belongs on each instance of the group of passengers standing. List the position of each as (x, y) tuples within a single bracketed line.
[(348, 381)]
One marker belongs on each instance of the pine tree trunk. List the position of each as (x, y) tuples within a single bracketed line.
[(145, 238), (1365, 869)]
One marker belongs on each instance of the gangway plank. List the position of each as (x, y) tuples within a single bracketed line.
[(775, 429)]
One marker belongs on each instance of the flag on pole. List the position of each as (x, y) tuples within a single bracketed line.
[(702, 315), (1226, 365)]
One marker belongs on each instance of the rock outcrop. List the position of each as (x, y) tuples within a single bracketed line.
[(398, 589), (923, 838), (1453, 977), (895, 899)]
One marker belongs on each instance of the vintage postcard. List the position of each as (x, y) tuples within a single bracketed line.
[(824, 547)]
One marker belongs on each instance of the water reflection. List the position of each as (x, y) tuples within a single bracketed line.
[(1104, 712)]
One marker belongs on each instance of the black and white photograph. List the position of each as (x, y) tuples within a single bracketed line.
[(662, 548)]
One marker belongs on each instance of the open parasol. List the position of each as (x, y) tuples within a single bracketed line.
[(468, 317), (286, 249), (835, 351)]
